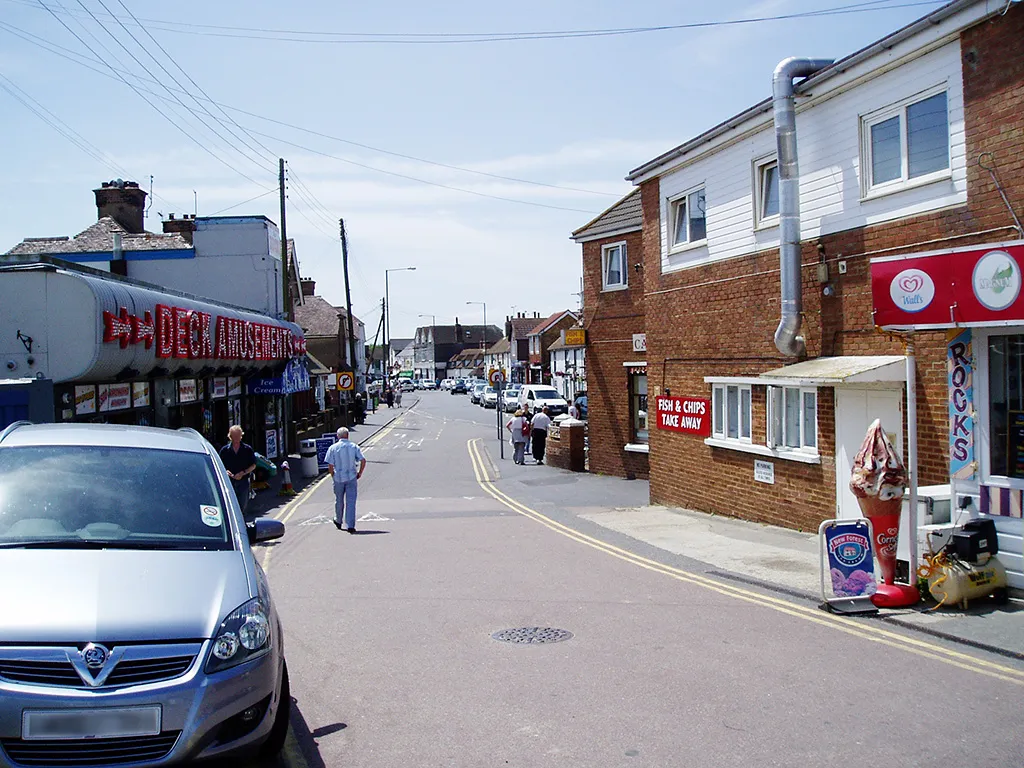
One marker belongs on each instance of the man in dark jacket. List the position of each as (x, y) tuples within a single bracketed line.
[(240, 461)]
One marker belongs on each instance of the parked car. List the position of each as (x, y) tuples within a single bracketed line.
[(429, 383), (542, 395), (476, 392), (510, 399), (459, 387), (159, 641), (489, 398), (406, 385)]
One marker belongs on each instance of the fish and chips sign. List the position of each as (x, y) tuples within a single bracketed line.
[(688, 415)]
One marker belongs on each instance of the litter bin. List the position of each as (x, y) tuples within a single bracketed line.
[(307, 456)]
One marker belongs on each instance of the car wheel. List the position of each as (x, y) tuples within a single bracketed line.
[(279, 730)]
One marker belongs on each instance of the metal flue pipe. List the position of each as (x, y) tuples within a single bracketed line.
[(787, 336)]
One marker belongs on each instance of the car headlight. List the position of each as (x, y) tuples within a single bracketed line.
[(243, 635)]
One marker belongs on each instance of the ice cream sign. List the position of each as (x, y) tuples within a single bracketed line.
[(950, 288), (689, 415)]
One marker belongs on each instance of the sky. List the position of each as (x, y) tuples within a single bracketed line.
[(448, 136)]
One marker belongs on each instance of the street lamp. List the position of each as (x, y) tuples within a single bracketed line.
[(387, 322), (483, 339)]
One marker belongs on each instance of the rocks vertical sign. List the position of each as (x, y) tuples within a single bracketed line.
[(960, 365)]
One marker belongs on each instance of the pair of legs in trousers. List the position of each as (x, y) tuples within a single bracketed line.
[(345, 493), (520, 450), (540, 439)]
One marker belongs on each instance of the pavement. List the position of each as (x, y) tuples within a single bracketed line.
[(769, 557)]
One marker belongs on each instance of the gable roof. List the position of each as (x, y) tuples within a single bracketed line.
[(399, 345), (500, 347), (543, 325), (627, 215), (100, 237), (521, 326), (317, 317)]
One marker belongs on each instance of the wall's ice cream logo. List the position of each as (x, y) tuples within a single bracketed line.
[(996, 280), (912, 290)]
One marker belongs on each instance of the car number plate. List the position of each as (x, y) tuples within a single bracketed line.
[(90, 723)]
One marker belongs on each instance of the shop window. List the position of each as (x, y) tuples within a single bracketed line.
[(730, 410), (638, 407), (793, 418), (1006, 405), (905, 143)]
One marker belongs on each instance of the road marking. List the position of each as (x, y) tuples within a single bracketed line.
[(372, 517), (318, 520), (291, 507), (849, 626)]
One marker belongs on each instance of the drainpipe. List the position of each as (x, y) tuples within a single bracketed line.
[(787, 336)]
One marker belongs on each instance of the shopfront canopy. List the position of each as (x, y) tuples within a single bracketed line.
[(836, 371)]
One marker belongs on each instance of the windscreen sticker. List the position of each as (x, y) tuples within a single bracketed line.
[(211, 515)]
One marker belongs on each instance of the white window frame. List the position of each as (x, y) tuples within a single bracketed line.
[(777, 422), (868, 188), (673, 212), (720, 413), (761, 165), (983, 417), (605, 252)]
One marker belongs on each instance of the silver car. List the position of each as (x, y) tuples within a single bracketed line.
[(138, 627)]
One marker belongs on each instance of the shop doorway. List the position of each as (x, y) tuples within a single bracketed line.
[(855, 410)]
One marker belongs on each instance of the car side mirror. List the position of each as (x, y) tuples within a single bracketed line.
[(264, 529)]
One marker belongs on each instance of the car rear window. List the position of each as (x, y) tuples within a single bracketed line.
[(136, 498)]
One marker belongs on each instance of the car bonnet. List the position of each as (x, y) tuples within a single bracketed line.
[(114, 595)]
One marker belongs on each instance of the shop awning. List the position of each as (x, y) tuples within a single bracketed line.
[(845, 369)]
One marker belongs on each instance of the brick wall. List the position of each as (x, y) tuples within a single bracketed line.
[(720, 319), (610, 319)]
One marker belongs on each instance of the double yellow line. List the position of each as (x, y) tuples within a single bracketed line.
[(815, 616)]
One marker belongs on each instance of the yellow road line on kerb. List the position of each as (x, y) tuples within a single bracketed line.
[(839, 623)]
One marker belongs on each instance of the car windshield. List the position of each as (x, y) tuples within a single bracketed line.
[(546, 394), (489, 391), (128, 498)]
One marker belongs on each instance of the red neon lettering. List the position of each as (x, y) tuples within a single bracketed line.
[(180, 332), (164, 331), (222, 338), (195, 343), (142, 329)]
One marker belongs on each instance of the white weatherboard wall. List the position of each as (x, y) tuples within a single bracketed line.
[(238, 262), (829, 147)]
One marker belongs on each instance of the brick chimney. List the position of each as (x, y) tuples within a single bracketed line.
[(308, 286), (122, 201), (184, 226)]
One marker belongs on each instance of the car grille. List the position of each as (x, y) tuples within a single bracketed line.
[(52, 666), (53, 752)]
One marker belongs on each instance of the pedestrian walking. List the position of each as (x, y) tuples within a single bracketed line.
[(519, 426), (398, 397), (539, 434), (360, 409), (390, 397), (528, 415), (240, 461), (346, 463)]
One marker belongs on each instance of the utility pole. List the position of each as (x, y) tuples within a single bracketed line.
[(287, 299), (348, 300)]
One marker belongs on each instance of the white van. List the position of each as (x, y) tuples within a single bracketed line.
[(539, 396)]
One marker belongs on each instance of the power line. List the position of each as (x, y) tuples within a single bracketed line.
[(271, 191), (448, 38), (146, 69), (140, 94), (77, 59)]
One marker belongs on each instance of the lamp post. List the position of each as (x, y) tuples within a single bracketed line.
[(433, 361), (387, 323)]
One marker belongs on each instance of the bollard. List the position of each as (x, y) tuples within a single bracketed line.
[(286, 481)]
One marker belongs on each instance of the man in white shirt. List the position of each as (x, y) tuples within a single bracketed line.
[(539, 433), (346, 464)]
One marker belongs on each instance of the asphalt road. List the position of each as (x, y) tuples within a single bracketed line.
[(392, 660)]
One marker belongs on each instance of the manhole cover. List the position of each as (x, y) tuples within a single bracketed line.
[(532, 635)]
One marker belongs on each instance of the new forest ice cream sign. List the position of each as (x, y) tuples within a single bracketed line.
[(978, 285)]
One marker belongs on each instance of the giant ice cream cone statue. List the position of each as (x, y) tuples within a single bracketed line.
[(878, 481)]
